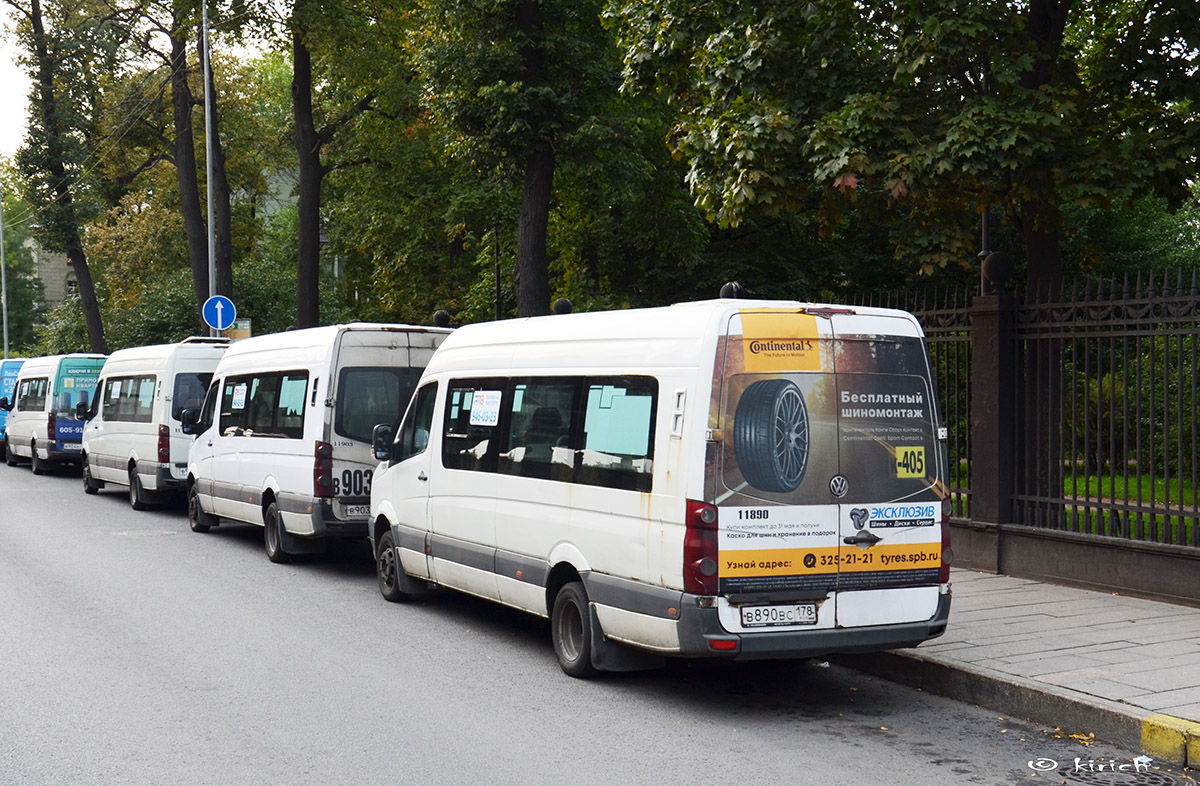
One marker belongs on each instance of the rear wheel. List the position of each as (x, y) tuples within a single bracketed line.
[(571, 630), (273, 537), (38, 466), (198, 520), (90, 486), (137, 497), (387, 570)]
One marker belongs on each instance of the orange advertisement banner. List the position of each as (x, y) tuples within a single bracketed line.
[(741, 563), (779, 341)]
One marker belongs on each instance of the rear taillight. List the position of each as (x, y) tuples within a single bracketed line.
[(164, 445), (947, 554), (323, 470), (51, 426), (700, 549)]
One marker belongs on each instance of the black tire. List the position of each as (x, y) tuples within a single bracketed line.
[(10, 458), (198, 520), (38, 466), (137, 497), (571, 631), (771, 435), (273, 535), (4, 450), (90, 486), (387, 570)]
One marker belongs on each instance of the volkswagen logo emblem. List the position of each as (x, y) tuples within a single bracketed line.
[(838, 485)]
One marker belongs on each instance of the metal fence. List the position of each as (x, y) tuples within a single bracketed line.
[(1107, 434), (1104, 401)]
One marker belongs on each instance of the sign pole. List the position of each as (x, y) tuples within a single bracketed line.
[(3, 276)]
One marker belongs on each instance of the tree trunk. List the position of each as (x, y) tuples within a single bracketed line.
[(532, 276), (182, 101), (68, 237), (221, 217), (308, 152)]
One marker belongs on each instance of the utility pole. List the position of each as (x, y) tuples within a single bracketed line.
[(208, 156)]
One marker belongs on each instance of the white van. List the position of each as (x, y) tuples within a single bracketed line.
[(132, 435), (731, 478), (284, 437), (43, 425)]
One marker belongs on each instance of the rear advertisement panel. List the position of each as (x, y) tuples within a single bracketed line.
[(822, 436)]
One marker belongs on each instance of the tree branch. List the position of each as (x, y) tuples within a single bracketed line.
[(328, 131)]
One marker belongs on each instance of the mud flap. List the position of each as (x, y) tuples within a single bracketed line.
[(610, 656), (294, 545)]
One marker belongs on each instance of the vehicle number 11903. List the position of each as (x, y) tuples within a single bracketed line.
[(785, 614)]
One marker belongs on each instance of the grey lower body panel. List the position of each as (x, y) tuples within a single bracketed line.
[(699, 626)]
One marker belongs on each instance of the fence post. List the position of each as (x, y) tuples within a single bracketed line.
[(994, 401)]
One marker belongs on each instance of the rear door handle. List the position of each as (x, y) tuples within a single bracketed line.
[(863, 539)]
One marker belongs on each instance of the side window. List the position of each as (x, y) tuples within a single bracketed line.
[(618, 443), (472, 424), (210, 408), (289, 420), (264, 405), (111, 399), (234, 395), (264, 398), (143, 400), (414, 432), (541, 414)]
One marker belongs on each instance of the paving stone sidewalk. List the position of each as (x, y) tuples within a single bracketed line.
[(1126, 669)]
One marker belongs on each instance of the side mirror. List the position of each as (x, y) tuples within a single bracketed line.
[(81, 411), (189, 419), (5, 404), (381, 442)]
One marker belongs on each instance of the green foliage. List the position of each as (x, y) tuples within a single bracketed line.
[(931, 109), (24, 289), (64, 329)]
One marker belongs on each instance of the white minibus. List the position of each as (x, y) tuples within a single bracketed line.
[(730, 478), (43, 425), (132, 436), (284, 437)]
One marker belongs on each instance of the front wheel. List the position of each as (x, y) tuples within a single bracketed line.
[(387, 570), (38, 466), (571, 630), (137, 497), (198, 520), (90, 486), (273, 537)]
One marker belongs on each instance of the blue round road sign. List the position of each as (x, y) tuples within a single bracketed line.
[(218, 312)]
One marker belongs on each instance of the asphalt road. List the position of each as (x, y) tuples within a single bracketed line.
[(134, 651)]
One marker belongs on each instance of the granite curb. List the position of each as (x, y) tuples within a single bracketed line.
[(1162, 737)]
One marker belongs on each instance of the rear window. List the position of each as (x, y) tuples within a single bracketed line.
[(787, 434), (369, 396), (188, 392)]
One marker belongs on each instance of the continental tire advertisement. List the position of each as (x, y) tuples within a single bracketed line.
[(815, 427)]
